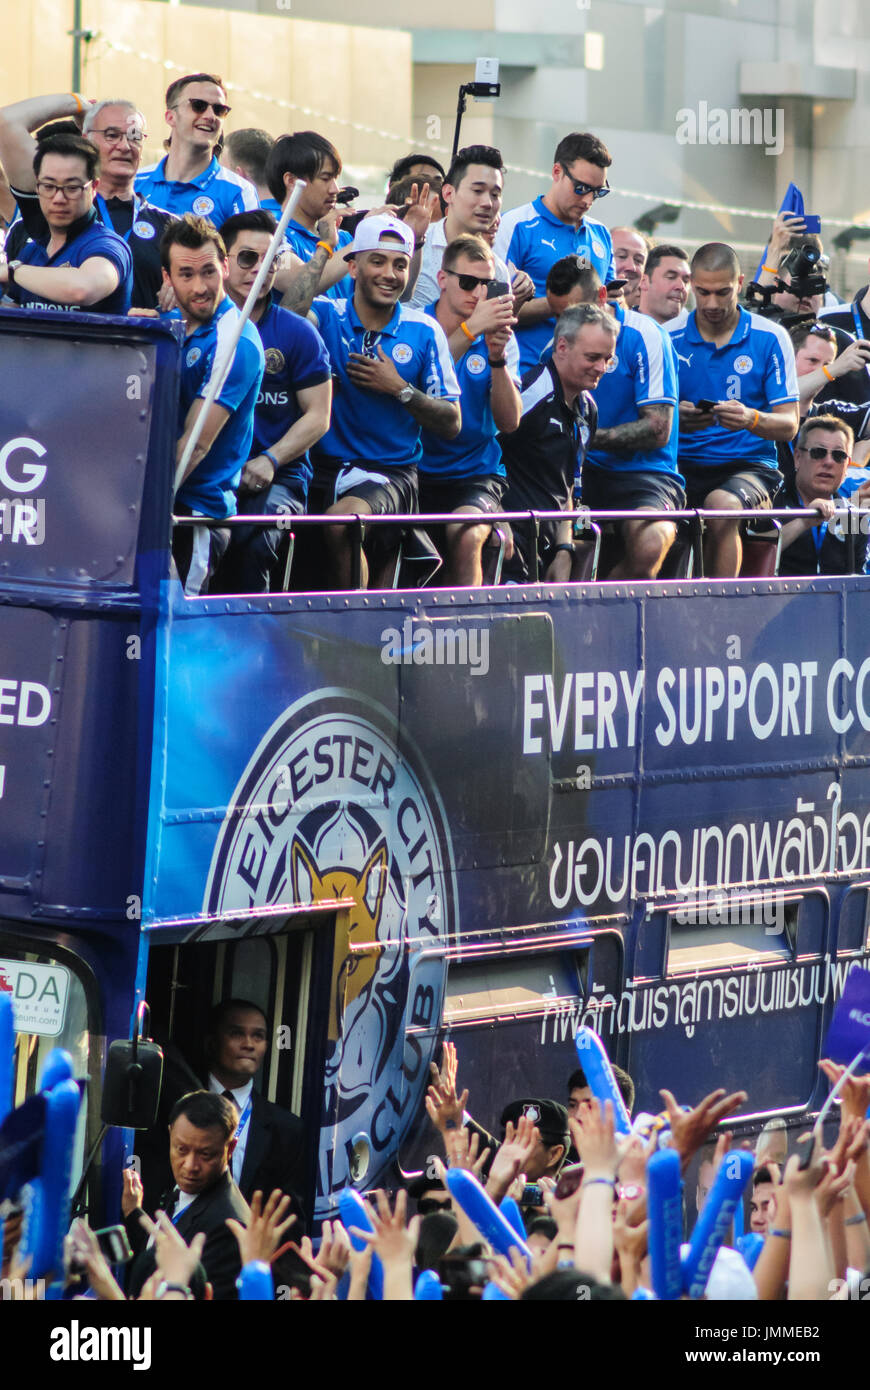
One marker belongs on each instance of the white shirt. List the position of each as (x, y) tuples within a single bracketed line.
[(426, 290), (240, 1095)]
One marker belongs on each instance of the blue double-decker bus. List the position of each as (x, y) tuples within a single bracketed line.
[(392, 817)]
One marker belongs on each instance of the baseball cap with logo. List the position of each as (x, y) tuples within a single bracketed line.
[(550, 1117), (380, 232)]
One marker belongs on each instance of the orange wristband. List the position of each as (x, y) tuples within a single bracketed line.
[(770, 270), (78, 101), (828, 374), (467, 331), (756, 417), (326, 246)]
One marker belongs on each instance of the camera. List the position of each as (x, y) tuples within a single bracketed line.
[(805, 266)]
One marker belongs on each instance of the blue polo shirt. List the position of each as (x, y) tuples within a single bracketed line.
[(367, 426), (295, 358), (475, 450), (643, 372), (304, 243), (532, 239), (86, 238), (215, 194), (756, 367), (211, 487)]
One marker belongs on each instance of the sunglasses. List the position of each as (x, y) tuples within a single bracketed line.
[(246, 259), (818, 452), (471, 282), (428, 1206), (823, 331), (200, 107), (582, 189)]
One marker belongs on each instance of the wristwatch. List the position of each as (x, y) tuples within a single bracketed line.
[(164, 1288), (405, 395), (11, 267)]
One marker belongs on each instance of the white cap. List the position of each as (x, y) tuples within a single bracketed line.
[(370, 233)]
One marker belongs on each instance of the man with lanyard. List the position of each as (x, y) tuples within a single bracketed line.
[(466, 474), (190, 178), (632, 463), (543, 454), (117, 129), (292, 410), (534, 236), (77, 264), (738, 399), (393, 376), (822, 544), (195, 264)]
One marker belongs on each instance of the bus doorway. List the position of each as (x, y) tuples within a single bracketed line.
[(285, 971)]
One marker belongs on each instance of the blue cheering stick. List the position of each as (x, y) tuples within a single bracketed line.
[(255, 1283), (353, 1213), (712, 1226), (510, 1210), (602, 1082), (493, 1294), (750, 1247), (665, 1207), (7, 1057), (46, 1199), (482, 1211), (428, 1287)]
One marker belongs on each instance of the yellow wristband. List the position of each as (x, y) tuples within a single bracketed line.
[(326, 246), (770, 270), (828, 374), (78, 101), (467, 331), (756, 416)]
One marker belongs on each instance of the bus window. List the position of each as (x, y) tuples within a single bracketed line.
[(523, 984), (51, 1010), (853, 927), (733, 930)]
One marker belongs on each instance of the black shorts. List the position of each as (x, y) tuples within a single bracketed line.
[(484, 492), (753, 484), (197, 552), (388, 491), (615, 490)]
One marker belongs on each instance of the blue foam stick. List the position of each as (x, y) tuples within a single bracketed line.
[(428, 1287), (665, 1207), (641, 1293), (750, 1247), (255, 1283), (353, 1213), (7, 1053), (47, 1198), (483, 1212), (59, 1066), (510, 1210), (712, 1227), (492, 1294), (602, 1082)]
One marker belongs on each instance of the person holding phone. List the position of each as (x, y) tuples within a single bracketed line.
[(466, 474)]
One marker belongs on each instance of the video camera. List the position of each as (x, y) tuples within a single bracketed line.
[(805, 266)]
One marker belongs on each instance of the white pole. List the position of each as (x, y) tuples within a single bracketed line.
[(219, 374)]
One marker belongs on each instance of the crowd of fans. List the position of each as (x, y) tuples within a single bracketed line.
[(440, 355), (577, 1195)]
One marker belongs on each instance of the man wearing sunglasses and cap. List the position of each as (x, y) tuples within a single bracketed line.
[(190, 178), (392, 377), (536, 235)]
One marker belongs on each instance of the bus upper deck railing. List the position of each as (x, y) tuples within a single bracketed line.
[(586, 531)]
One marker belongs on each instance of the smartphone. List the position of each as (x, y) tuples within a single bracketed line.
[(114, 1245), (806, 1151), (615, 287), (705, 404), (347, 195), (496, 288), (812, 223), (569, 1180), (533, 1195)]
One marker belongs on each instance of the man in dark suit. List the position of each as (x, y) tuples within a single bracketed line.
[(270, 1141), (202, 1129)]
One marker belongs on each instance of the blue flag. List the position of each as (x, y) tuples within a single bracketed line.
[(792, 202)]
